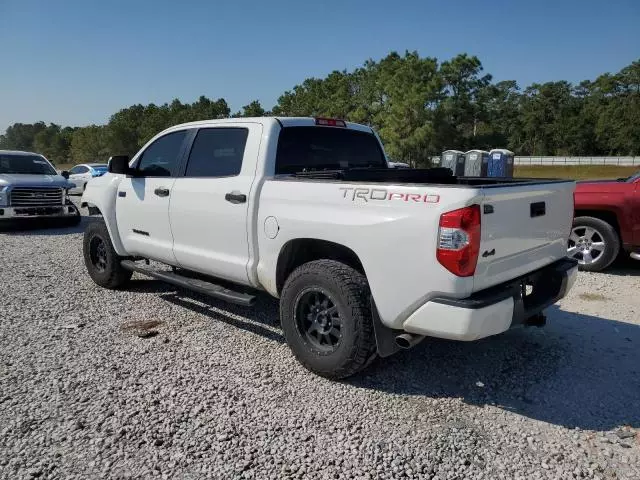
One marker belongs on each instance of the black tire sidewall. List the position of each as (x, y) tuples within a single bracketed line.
[(610, 237), (106, 277), (322, 363)]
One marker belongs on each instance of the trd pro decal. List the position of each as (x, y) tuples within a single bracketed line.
[(382, 194)]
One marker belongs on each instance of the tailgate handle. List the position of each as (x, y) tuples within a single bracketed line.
[(538, 209)]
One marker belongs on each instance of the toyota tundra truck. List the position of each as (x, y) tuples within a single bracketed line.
[(364, 259)]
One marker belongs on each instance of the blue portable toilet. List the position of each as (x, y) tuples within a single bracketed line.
[(454, 160), (501, 163), (476, 163)]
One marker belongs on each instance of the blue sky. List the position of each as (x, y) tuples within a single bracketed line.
[(76, 62)]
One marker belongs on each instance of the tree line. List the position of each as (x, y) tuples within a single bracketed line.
[(419, 107)]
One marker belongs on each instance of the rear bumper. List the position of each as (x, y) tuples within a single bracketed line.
[(17, 213), (496, 309)]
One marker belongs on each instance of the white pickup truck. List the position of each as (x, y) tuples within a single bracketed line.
[(364, 258)]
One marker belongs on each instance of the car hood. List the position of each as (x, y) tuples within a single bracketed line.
[(26, 180)]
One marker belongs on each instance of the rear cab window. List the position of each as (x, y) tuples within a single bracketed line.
[(315, 148)]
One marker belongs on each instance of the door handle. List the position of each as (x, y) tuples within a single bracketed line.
[(161, 192), (235, 197)]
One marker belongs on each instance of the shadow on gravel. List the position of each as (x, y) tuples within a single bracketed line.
[(239, 317), (579, 371), (46, 228), (624, 267)]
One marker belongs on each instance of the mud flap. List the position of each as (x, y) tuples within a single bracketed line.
[(385, 336)]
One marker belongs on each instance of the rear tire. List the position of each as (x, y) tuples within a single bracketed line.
[(101, 260), (594, 243), (325, 314)]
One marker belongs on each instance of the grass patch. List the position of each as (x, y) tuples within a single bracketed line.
[(593, 297), (575, 172)]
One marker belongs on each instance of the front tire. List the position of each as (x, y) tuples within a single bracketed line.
[(326, 318), (101, 260), (594, 243)]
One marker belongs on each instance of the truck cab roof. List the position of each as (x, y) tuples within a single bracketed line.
[(282, 121)]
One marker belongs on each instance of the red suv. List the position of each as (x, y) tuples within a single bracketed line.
[(607, 221)]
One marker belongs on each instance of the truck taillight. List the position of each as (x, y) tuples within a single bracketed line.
[(459, 240)]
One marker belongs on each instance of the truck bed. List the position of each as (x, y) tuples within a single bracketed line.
[(429, 176)]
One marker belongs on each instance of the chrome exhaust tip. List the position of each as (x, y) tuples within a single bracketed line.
[(408, 340), (635, 255)]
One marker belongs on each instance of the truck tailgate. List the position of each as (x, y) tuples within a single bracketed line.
[(524, 227)]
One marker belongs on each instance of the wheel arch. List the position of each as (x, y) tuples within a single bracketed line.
[(101, 196), (299, 251), (608, 216)]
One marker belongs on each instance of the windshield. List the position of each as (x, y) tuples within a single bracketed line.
[(634, 177), (326, 148), (25, 164)]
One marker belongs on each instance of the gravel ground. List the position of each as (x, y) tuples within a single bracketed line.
[(154, 382)]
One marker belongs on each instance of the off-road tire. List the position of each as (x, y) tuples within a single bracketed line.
[(350, 291), (611, 240), (113, 276)]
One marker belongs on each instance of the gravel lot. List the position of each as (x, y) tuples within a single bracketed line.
[(88, 390)]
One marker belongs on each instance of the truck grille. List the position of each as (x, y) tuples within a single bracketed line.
[(32, 196)]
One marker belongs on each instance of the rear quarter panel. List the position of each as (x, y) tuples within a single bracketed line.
[(392, 229)]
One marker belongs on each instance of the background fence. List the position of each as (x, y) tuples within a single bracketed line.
[(622, 161)]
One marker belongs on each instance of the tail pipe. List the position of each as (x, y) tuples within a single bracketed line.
[(635, 255), (408, 340)]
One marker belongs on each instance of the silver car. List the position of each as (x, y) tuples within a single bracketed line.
[(30, 188), (82, 173)]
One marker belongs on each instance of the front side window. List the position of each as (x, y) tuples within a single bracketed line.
[(160, 159), (217, 152), (25, 164)]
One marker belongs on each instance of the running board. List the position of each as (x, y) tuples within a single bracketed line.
[(194, 284), (635, 255)]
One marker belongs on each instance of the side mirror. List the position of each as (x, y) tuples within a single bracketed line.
[(119, 164), (65, 174)]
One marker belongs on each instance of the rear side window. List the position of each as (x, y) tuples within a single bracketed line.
[(161, 157), (326, 148), (217, 152)]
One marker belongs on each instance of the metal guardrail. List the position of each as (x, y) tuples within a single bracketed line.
[(615, 161)]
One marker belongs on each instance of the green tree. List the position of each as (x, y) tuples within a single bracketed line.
[(253, 109), (618, 122), (21, 136), (90, 144), (462, 108), (54, 143)]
